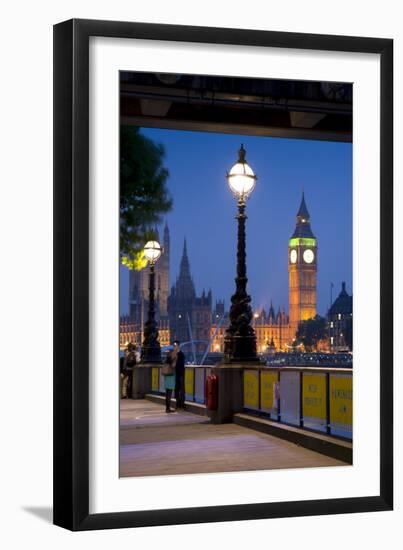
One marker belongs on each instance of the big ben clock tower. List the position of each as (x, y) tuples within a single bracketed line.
[(302, 268)]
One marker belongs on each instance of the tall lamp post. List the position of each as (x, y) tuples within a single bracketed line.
[(240, 338), (151, 349)]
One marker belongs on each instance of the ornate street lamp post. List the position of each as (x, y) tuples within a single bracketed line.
[(240, 338), (151, 349)]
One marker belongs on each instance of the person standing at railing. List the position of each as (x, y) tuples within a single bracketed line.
[(126, 372), (168, 372), (180, 376)]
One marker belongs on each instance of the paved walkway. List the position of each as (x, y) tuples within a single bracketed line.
[(155, 443)]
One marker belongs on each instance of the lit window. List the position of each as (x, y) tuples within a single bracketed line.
[(339, 316), (331, 324), (331, 340)]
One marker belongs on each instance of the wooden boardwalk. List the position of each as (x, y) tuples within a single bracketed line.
[(155, 443)]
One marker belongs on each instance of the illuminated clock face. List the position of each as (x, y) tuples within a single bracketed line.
[(293, 256), (308, 256)]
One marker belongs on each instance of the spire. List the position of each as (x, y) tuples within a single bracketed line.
[(185, 266), (184, 283), (166, 238), (303, 210), (272, 315), (303, 226)]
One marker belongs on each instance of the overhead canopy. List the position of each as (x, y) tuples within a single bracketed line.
[(280, 108)]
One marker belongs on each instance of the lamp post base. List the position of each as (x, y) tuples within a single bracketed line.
[(151, 355), (230, 390), (240, 349), (141, 381)]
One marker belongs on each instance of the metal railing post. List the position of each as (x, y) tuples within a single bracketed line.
[(301, 410), (259, 389), (328, 403)]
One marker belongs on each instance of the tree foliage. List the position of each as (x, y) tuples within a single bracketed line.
[(311, 331), (144, 196)]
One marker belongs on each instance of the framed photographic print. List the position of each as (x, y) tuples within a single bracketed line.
[(223, 319)]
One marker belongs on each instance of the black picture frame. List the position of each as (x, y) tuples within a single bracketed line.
[(71, 274)]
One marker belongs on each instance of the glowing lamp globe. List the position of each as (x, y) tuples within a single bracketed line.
[(152, 251), (241, 178)]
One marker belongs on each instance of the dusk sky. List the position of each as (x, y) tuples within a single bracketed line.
[(204, 212)]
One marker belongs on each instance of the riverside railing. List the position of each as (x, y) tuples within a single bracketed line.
[(195, 382), (313, 398), (316, 398)]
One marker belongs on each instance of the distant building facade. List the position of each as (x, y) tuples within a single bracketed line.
[(130, 332), (190, 316), (270, 329), (340, 322)]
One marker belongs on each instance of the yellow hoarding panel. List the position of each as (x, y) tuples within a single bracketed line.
[(251, 389), (314, 396), (268, 379), (341, 399), (189, 383), (154, 379)]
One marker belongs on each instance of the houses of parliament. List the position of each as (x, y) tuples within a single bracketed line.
[(183, 315)]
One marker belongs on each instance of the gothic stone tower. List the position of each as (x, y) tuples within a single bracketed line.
[(302, 268), (189, 315), (181, 301)]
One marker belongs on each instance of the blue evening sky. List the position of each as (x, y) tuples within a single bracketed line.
[(204, 211)]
